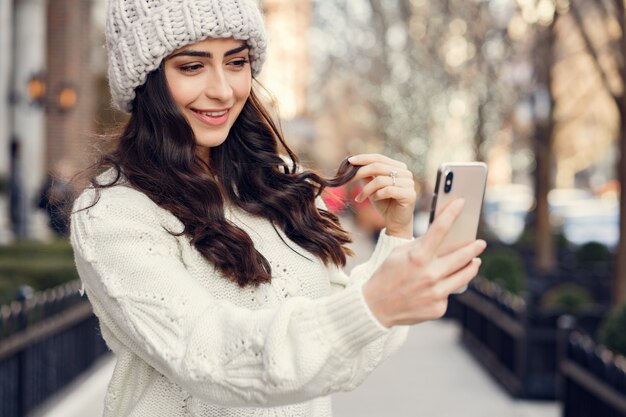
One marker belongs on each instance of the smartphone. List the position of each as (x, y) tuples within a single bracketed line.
[(456, 180)]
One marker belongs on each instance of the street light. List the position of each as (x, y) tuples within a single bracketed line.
[(64, 99), (36, 89)]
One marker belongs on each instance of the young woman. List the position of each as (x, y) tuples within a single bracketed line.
[(205, 250)]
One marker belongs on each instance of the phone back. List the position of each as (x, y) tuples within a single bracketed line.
[(456, 180)]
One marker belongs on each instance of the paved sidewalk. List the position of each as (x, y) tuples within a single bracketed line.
[(432, 376), (82, 398)]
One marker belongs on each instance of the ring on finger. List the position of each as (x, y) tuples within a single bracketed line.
[(394, 177)]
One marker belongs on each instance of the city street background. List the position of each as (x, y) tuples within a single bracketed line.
[(536, 89)]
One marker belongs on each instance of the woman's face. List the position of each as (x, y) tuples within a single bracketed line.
[(210, 82)]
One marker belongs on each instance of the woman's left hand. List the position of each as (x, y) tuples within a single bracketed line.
[(390, 187)]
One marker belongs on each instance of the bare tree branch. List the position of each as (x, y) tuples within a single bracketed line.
[(592, 50), (620, 14)]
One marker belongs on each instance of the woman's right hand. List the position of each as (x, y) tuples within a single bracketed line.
[(413, 284)]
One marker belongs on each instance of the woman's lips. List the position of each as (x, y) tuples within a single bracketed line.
[(212, 117)]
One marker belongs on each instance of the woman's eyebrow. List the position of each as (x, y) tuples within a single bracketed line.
[(236, 50), (199, 54), (205, 54)]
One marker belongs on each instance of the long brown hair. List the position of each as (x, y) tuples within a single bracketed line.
[(156, 155)]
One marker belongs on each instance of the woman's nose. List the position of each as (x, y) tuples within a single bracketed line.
[(218, 87)]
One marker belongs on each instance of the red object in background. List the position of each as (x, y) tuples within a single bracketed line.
[(336, 199), (609, 189), (366, 217)]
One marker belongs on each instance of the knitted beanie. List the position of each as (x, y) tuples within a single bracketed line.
[(140, 33)]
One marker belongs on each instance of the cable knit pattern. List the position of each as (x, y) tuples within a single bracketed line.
[(140, 33), (189, 342)]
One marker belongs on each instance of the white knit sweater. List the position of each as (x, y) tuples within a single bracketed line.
[(189, 342)]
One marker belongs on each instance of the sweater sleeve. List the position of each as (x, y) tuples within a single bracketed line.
[(385, 346), (131, 268)]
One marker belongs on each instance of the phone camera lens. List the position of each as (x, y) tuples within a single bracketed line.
[(447, 186)]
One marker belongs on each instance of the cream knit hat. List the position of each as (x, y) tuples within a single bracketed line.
[(140, 33)]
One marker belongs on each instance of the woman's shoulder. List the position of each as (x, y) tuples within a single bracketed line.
[(113, 196)]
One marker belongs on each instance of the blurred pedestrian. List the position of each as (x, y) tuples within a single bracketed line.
[(209, 258), (56, 196), (17, 209)]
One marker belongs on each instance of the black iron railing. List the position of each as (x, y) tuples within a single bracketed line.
[(46, 341), (515, 343), (593, 379), (494, 331)]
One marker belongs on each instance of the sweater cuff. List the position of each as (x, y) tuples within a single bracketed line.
[(349, 323), (385, 244), (394, 240)]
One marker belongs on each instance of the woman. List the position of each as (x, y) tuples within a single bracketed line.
[(204, 249)]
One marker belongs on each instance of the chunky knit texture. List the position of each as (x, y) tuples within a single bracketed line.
[(140, 33), (189, 342)]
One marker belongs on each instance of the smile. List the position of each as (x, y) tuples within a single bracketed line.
[(213, 118)]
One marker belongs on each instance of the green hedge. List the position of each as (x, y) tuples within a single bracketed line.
[(504, 267), (613, 331), (39, 265), (570, 298), (593, 253)]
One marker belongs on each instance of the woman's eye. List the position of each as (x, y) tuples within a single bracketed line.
[(239, 63), (190, 68)]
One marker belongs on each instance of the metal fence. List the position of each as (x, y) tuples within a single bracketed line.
[(46, 341), (593, 379), (539, 355), (516, 344), (494, 331)]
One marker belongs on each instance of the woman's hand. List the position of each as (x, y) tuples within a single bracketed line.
[(413, 284), (390, 187)]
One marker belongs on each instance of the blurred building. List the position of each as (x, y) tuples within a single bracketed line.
[(46, 77), (70, 75), (287, 71), (23, 127), (6, 21), (6, 25)]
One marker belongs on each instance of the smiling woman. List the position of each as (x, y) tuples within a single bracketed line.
[(212, 264), (210, 82)]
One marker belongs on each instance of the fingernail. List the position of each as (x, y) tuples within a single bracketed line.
[(481, 244), (358, 198), (459, 204), (478, 261), (353, 159)]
